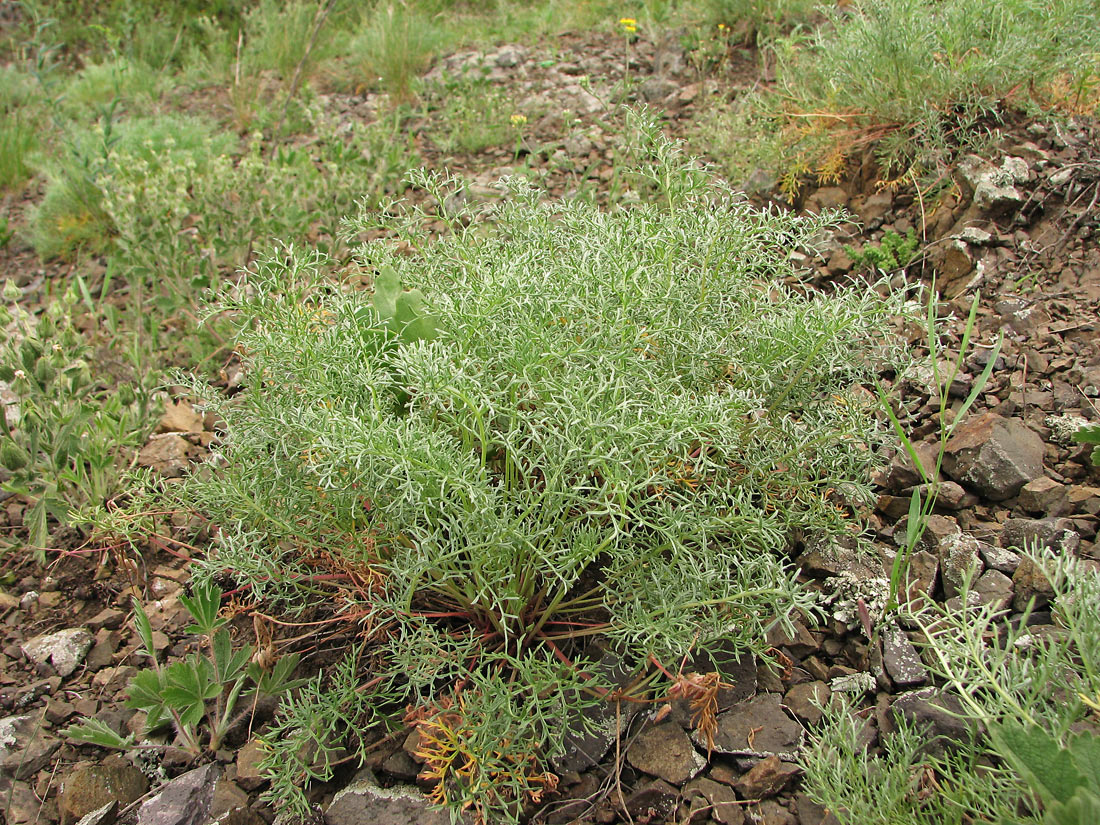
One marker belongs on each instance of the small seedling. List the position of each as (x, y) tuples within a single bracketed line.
[(893, 253)]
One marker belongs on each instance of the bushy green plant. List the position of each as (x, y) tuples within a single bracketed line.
[(72, 431), (97, 84), (279, 35), (750, 18), (892, 253), (616, 423), (199, 693), (72, 216), (901, 783)]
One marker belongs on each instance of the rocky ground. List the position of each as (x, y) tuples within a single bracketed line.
[(1019, 226)]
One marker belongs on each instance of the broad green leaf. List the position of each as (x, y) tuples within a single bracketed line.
[(144, 630), (190, 683), (227, 664), (146, 691), (278, 680), (1084, 749), (1082, 809), (1042, 763), (387, 289)]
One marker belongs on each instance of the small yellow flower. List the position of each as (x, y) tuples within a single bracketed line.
[(519, 120), (629, 24)]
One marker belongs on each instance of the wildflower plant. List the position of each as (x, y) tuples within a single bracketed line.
[(612, 424)]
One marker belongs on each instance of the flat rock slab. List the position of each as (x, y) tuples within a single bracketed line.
[(25, 747), (186, 800), (593, 730), (759, 727), (365, 801), (63, 650), (666, 752)]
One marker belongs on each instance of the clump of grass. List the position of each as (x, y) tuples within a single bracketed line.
[(752, 18), (279, 35), (573, 422), (394, 45), (915, 79), (98, 84), (19, 127)]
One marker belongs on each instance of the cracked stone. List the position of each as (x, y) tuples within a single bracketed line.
[(25, 748), (186, 800), (88, 788), (364, 800)]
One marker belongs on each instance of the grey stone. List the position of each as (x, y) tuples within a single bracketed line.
[(508, 56), (1031, 586), (994, 455), (593, 730), (1053, 533), (921, 574), (1000, 558), (766, 778), (901, 660), (89, 788), (1044, 496), (167, 454), (994, 587), (666, 752), (806, 699), (876, 206), (902, 473), (993, 188), (104, 815), (186, 800), (935, 713), (801, 642), (20, 804), (64, 650), (772, 812), (735, 668), (811, 813), (25, 747), (653, 802), (249, 775), (757, 727)]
